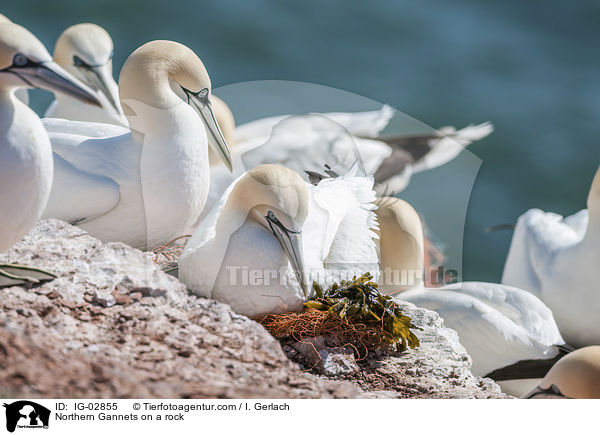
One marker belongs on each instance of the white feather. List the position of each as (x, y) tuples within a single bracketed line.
[(498, 325)]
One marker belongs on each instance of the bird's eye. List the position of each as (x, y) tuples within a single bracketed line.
[(203, 93), (80, 63), (20, 60), (271, 216)]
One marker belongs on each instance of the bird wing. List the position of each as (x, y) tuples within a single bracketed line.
[(202, 258), (87, 129), (520, 306), (451, 144), (366, 124), (90, 171), (538, 237), (492, 339), (307, 142), (346, 236), (416, 153), (579, 222), (74, 186), (205, 231)]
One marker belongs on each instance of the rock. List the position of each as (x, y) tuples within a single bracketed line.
[(324, 360), (338, 362), (113, 325), (78, 336), (439, 368)]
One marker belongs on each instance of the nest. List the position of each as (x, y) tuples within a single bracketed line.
[(352, 313), (361, 337), (166, 255)]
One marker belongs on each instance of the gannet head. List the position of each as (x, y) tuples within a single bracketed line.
[(401, 245), (276, 198), (25, 63), (576, 376), (86, 51), (226, 122), (161, 74)]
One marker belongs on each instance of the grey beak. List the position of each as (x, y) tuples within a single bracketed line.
[(98, 78), (50, 76), (291, 243), (200, 102)]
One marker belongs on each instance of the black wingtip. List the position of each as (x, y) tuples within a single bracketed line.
[(315, 177), (525, 369)]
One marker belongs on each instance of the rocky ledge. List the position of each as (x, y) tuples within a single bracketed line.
[(114, 325)]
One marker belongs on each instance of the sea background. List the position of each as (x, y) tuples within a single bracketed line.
[(532, 68)]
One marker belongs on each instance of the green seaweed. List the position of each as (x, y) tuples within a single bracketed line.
[(359, 301)]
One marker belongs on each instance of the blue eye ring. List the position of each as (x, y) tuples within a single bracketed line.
[(20, 60)]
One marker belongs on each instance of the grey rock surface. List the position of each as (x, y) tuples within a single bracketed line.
[(439, 368)]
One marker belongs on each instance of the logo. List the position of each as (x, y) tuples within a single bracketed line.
[(25, 414)]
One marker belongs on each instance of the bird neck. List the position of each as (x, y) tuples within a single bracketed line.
[(593, 203), (401, 255), (9, 106)]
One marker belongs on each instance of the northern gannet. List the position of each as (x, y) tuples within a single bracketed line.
[(575, 376), (306, 142), (497, 324), (86, 51), (147, 185), (556, 259), (25, 154), (272, 234)]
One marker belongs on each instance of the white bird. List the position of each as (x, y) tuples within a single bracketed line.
[(497, 324), (556, 259), (86, 51), (25, 153), (306, 142), (143, 187), (272, 233), (574, 376)]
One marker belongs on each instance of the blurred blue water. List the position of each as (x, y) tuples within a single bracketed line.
[(530, 67)]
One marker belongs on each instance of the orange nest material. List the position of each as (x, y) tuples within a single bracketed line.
[(315, 323)]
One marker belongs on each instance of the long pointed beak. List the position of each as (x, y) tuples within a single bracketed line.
[(100, 79), (291, 243), (215, 137), (50, 76)]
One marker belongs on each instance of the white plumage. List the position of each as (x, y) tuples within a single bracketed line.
[(307, 142), (498, 325), (304, 142), (144, 186), (25, 155), (557, 259), (336, 238)]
